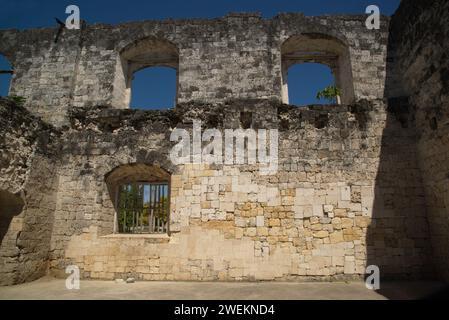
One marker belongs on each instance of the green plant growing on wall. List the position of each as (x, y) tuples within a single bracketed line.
[(331, 94), (18, 100)]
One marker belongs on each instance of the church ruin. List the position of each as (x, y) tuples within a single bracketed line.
[(86, 181)]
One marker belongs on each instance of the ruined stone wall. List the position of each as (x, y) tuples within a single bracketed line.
[(357, 185), (420, 49), (27, 194), (44, 72), (238, 56), (347, 194)]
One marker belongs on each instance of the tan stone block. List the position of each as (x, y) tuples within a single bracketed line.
[(240, 221), (314, 220), (350, 234), (205, 205), (321, 234), (274, 222), (340, 212), (308, 211), (318, 210), (316, 227), (336, 220), (222, 276), (345, 193), (16, 224), (211, 196), (287, 201), (98, 267), (250, 232), (336, 226), (299, 212), (355, 207), (175, 181), (338, 261), (349, 267), (362, 222), (347, 223), (272, 239), (274, 231), (227, 206), (336, 237), (236, 272), (273, 196), (208, 173), (238, 233), (318, 263), (260, 221), (262, 231), (86, 236), (195, 210)]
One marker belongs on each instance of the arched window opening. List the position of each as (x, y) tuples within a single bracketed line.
[(306, 80), (318, 49), (10, 205), (154, 88), (141, 196), (142, 207), (5, 76), (150, 74)]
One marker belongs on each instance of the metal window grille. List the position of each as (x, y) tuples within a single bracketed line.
[(143, 208)]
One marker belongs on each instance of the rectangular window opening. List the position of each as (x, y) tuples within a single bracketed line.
[(143, 208)]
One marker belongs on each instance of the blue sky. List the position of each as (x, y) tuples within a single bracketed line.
[(156, 88)]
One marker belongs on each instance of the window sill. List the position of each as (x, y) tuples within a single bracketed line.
[(136, 236)]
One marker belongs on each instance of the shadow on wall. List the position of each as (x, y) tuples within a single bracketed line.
[(10, 206), (398, 239)]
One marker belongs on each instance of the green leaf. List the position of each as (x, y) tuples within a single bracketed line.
[(330, 94), (20, 101)]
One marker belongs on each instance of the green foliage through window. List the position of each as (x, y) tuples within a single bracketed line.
[(331, 94), (143, 208)]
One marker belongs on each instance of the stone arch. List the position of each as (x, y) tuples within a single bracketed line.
[(136, 171), (139, 54), (11, 205), (158, 158), (319, 48)]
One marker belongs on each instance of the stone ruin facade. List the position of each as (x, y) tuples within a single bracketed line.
[(361, 183)]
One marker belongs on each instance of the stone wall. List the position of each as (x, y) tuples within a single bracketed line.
[(238, 56), (27, 194), (419, 74), (341, 200), (364, 183)]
